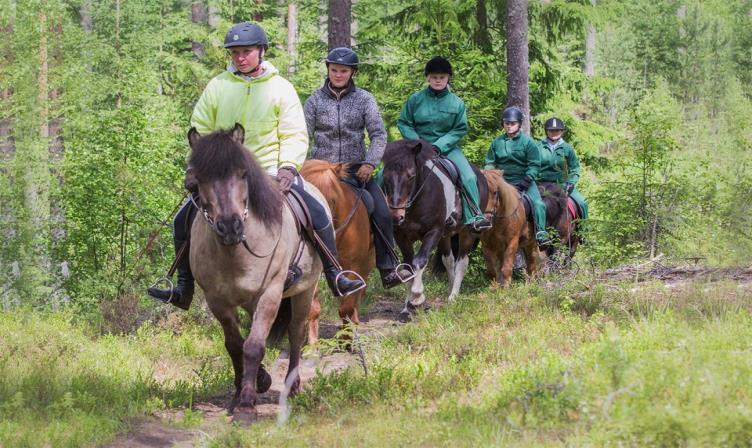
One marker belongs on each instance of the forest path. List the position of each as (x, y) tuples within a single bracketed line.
[(172, 428)]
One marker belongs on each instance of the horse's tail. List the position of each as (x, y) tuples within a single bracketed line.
[(281, 322)]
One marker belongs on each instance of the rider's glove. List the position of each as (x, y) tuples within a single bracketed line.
[(364, 173), (286, 177), (569, 187), (523, 185)]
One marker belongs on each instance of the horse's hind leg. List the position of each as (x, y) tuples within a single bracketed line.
[(301, 304), (313, 318), (507, 262)]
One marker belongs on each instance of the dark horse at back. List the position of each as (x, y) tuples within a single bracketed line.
[(561, 216), (424, 202)]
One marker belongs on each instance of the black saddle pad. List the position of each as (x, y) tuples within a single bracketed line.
[(528, 204)]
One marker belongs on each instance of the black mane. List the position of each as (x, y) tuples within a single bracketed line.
[(217, 156), (400, 155)]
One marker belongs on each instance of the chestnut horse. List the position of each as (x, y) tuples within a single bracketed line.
[(237, 198), (511, 231), (354, 237)]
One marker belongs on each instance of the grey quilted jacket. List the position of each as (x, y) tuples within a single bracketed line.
[(336, 125)]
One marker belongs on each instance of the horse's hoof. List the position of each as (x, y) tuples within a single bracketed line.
[(405, 317), (244, 416), (417, 301), (263, 380)]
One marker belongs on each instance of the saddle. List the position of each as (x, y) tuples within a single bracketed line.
[(362, 193), (449, 169)]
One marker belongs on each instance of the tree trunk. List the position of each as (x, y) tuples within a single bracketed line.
[(517, 59), (340, 18), (482, 37), (258, 16), (590, 48), (292, 36), (87, 24), (199, 15), (214, 15)]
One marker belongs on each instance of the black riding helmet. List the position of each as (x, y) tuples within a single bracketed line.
[(512, 113), (343, 56), (246, 34), (554, 124), (438, 65)]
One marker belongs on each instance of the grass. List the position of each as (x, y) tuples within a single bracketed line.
[(560, 362)]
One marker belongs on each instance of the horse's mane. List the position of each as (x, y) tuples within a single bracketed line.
[(553, 194), (325, 176), (399, 155), (508, 194), (217, 156)]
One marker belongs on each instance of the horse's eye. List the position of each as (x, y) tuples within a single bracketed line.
[(245, 175)]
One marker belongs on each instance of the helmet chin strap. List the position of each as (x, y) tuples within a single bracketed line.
[(254, 71)]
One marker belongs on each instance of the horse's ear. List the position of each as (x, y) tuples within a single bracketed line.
[(418, 146), (238, 134), (193, 137)]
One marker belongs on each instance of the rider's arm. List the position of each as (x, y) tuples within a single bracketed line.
[(205, 112), (573, 166), (491, 157), (376, 132), (459, 129), (406, 122), (291, 131), (309, 110), (533, 160)]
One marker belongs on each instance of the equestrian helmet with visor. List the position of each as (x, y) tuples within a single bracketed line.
[(343, 56), (554, 124), (512, 114), (438, 65), (246, 34)]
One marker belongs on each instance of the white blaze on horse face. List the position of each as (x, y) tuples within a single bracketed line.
[(460, 269), (416, 296)]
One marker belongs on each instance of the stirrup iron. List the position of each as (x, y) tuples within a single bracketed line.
[(169, 283), (407, 266), (343, 272)]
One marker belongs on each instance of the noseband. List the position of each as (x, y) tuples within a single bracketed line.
[(210, 219), (413, 191)]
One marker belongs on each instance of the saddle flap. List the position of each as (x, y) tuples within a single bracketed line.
[(573, 209), (449, 168)]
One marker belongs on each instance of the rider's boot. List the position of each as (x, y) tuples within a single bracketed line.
[(338, 283), (182, 294), (395, 276)]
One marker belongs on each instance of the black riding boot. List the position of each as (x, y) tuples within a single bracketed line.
[(182, 294), (339, 284)]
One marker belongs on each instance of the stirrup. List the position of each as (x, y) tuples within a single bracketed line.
[(407, 266), (478, 228), (342, 272), (169, 283)]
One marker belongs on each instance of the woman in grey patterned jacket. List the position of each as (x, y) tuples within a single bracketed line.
[(337, 116)]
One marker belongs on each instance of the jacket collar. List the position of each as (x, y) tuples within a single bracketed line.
[(268, 70), (439, 94), (331, 92)]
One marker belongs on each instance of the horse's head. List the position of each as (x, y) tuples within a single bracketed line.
[(402, 162), (231, 183)]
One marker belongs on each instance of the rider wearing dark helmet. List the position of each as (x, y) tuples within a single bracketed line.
[(559, 163), (437, 115), (251, 92), (337, 116), (519, 156)]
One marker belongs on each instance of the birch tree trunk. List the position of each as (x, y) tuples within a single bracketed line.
[(340, 19), (590, 48), (517, 59), (199, 15), (292, 36)]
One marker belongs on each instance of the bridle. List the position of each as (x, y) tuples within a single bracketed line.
[(414, 190)]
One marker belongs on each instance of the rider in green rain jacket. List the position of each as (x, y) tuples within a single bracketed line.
[(518, 156), (559, 163), (437, 115)]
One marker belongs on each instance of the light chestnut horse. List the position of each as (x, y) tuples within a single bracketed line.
[(355, 248), (510, 231), (242, 242)]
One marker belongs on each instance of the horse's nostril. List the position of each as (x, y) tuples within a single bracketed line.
[(221, 228), (237, 226)]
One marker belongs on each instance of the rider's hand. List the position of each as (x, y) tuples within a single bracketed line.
[(436, 150), (190, 182), (285, 177), (364, 173), (568, 187), (523, 185)]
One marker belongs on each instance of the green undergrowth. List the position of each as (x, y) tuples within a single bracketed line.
[(575, 363), (62, 385)]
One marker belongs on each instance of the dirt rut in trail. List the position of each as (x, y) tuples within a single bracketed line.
[(163, 430)]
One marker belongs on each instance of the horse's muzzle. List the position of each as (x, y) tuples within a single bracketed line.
[(229, 230)]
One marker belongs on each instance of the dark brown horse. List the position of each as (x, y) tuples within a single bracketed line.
[(421, 205), (353, 230), (242, 243), (511, 230), (560, 219)]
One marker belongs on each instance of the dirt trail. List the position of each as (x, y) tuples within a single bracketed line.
[(163, 430)]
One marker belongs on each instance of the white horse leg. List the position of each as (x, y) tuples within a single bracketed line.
[(459, 275), (416, 288), (449, 265)]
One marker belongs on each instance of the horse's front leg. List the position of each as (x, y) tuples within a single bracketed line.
[(301, 304), (428, 243), (254, 350), (228, 318), (466, 243)]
